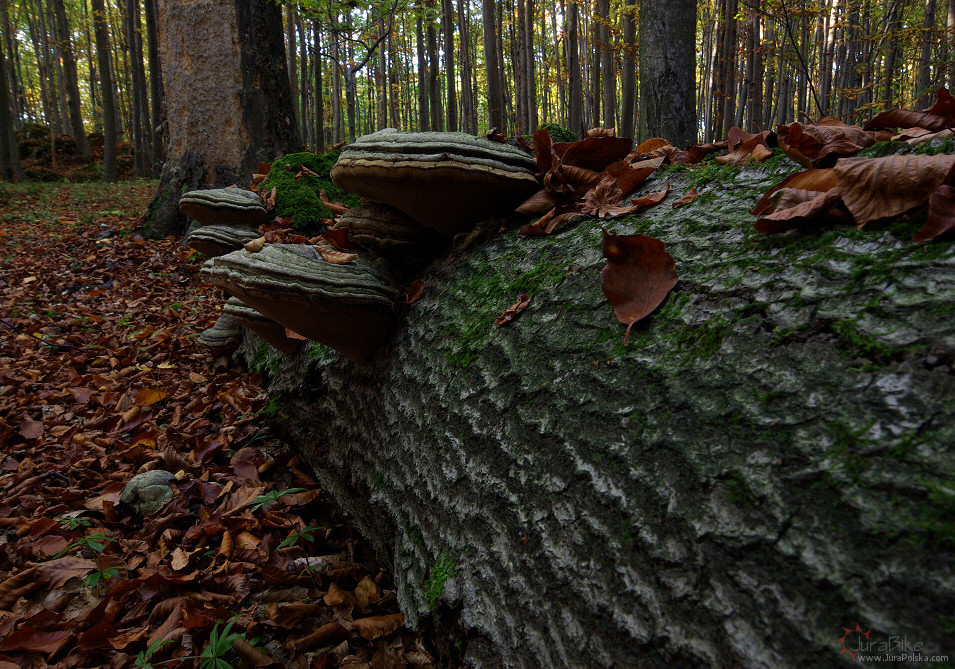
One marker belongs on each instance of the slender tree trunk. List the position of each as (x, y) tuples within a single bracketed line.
[(447, 11), (923, 85), (336, 91), (319, 89), (628, 94), (608, 77), (72, 81), (950, 42), (574, 84), (424, 114), (290, 15), (560, 46), (302, 78), (381, 82), (468, 109), (530, 74), (730, 50), (518, 53), (434, 87), (108, 95), (894, 50), (502, 80), (668, 69), (10, 169), (157, 107), (394, 89), (140, 113), (495, 96)]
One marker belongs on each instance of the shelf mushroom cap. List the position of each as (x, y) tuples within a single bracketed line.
[(224, 336), (388, 233), (447, 181), (350, 308), (217, 240), (224, 206), (265, 327)]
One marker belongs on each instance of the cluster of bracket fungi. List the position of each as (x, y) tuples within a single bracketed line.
[(421, 189)]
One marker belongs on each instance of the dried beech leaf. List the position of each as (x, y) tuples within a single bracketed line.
[(335, 256), (686, 199), (944, 105), (651, 199), (31, 429), (813, 145), (334, 207), (367, 592), (414, 292), (825, 208), (638, 276), (594, 153), (601, 132), (651, 145), (874, 188), (941, 214), (903, 118), (695, 154), (537, 203), (149, 396), (379, 626), (816, 179), (542, 150), (510, 314)]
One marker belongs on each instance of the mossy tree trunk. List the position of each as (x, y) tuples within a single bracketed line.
[(228, 99)]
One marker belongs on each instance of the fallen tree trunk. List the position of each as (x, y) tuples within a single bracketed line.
[(768, 463)]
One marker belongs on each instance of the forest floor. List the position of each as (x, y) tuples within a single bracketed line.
[(100, 380)]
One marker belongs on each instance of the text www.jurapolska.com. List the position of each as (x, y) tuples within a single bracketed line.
[(902, 657)]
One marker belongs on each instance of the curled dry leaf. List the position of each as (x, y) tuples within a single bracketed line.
[(336, 257), (638, 276), (651, 199), (292, 334), (816, 179), (31, 429), (334, 207), (752, 149), (903, 118), (874, 188), (379, 626), (601, 132), (941, 214), (695, 154), (824, 207), (686, 199), (414, 292), (815, 145), (512, 311)]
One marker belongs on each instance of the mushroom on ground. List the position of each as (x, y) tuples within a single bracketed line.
[(217, 240), (224, 206), (349, 307), (387, 233), (261, 325), (149, 491), (447, 181), (224, 336)]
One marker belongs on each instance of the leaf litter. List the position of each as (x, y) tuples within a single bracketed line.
[(99, 381)]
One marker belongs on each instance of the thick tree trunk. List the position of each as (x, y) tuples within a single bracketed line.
[(228, 101), (107, 91), (668, 68), (10, 169), (769, 456), (157, 105)]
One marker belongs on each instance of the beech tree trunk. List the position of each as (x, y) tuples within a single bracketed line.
[(229, 102), (628, 84), (492, 57), (424, 114), (156, 102), (447, 12), (10, 169), (668, 68), (107, 91), (575, 101), (77, 131)]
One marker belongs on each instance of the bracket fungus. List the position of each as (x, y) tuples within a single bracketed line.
[(350, 307), (447, 181), (384, 232), (224, 206), (224, 336), (217, 240), (265, 327)]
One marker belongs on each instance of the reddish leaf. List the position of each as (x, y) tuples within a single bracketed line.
[(542, 150), (414, 292), (31, 429), (149, 396), (651, 199), (941, 214), (594, 153), (818, 180), (30, 639), (902, 118), (696, 154), (813, 145), (512, 311), (825, 208), (537, 203), (638, 276), (379, 626), (944, 105), (686, 199)]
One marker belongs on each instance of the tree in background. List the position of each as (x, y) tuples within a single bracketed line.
[(668, 69), (228, 100), (108, 92)]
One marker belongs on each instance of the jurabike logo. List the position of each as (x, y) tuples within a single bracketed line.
[(854, 641), (849, 637)]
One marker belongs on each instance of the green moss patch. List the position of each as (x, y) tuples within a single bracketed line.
[(299, 198)]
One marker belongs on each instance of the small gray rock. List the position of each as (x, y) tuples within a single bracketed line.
[(148, 491)]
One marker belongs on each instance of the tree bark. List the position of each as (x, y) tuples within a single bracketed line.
[(157, 106), (434, 69), (424, 114), (138, 99), (893, 50), (495, 95), (229, 101), (78, 132), (319, 89), (530, 70), (628, 87), (668, 68), (730, 51), (107, 91), (575, 103), (923, 85), (608, 76), (10, 168)]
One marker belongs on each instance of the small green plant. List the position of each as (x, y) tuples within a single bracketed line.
[(304, 533), (271, 497), (220, 644), (125, 321), (93, 578), (174, 307), (145, 656), (95, 542), (73, 523)]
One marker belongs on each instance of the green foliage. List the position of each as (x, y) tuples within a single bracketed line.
[(315, 351), (442, 570), (145, 656), (73, 523), (300, 198), (220, 644), (93, 578), (271, 497), (94, 542), (304, 533), (557, 133)]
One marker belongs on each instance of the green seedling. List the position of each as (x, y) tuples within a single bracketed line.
[(93, 578), (271, 497), (73, 523), (304, 533), (144, 657), (220, 643), (94, 542)]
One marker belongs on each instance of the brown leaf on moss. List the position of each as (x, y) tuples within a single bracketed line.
[(695, 154), (414, 292), (638, 276), (512, 311), (815, 179), (904, 118), (816, 145), (552, 220), (941, 215), (874, 188), (686, 199), (593, 153), (825, 208), (334, 207), (754, 149), (944, 105)]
